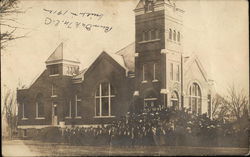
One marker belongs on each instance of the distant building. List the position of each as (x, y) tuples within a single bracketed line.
[(150, 73)]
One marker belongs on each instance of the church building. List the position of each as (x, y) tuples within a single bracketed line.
[(152, 72)]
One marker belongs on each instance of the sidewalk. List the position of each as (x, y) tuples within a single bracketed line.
[(17, 148), (36, 148)]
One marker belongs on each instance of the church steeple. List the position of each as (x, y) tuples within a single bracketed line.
[(60, 64), (57, 55)]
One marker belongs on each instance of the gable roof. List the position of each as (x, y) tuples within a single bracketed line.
[(189, 60), (116, 58)]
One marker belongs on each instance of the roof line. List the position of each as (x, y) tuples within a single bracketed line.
[(124, 48), (195, 58), (34, 79)]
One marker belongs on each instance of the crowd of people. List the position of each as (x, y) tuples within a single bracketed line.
[(133, 129), (154, 127)]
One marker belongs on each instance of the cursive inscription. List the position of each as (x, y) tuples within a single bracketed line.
[(74, 14), (73, 20), (75, 24)]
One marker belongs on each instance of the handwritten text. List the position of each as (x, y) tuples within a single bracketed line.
[(75, 24)]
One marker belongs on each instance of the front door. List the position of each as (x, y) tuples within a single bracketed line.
[(54, 114)]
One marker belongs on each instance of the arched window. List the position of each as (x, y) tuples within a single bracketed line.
[(149, 7), (195, 98), (178, 37), (105, 95), (39, 106), (175, 100), (170, 34), (174, 35)]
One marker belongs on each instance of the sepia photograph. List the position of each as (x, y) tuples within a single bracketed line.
[(124, 77)]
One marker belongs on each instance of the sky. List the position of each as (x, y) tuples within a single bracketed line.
[(216, 31)]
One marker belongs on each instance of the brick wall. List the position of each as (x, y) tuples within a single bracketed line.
[(104, 69)]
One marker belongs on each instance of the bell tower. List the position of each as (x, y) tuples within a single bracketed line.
[(60, 65), (158, 51)]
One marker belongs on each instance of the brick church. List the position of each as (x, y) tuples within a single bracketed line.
[(152, 72)]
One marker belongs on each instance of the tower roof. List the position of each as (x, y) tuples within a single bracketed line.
[(170, 3), (59, 56)]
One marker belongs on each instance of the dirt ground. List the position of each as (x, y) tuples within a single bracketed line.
[(35, 148)]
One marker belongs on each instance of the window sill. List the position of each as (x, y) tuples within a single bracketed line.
[(53, 96), (68, 117), (176, 42), (148, 41), (53, 75), (175, 81), (144, 81), (148, 11), (24, 118), (104, 116), (155, 81), (40, 117), (78, 117)]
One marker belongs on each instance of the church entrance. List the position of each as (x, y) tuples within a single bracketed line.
[(54, 114), (151, 101)]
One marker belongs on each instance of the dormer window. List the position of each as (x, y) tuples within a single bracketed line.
[(54, 70), (149, 7)]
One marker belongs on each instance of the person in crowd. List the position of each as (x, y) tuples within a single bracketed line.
[(147, 128)]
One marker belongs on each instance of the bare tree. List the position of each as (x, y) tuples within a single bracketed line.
[(220, 109), (9, 111), (9, 24), (237, 101)]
